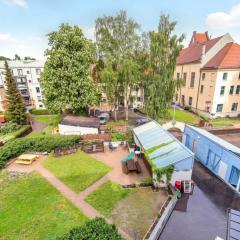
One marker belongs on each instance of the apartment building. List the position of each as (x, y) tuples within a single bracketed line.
[(210, 70), (27, 77)]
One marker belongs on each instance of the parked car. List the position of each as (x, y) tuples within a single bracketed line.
[(103, 118)]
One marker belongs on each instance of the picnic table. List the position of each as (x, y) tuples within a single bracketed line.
[(26, 159)]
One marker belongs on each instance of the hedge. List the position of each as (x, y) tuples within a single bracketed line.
[(39, 144), (39, 111), (96, 229)]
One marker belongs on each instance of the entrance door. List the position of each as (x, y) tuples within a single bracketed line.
[(213, 161), (234, 177)]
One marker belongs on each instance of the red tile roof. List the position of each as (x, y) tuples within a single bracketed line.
[(193, 53), (227, 57), (201, 37)]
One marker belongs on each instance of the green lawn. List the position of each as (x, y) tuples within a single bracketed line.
[(48, 119), (32, 209), (46, 131), (78, 170), (184, 116), (224, 122), (105, 198)]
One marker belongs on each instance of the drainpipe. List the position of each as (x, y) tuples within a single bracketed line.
[(199, 81)]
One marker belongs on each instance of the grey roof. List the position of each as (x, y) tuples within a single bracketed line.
[(217, 140), (233, 229), (165, 148), (24, 64), (80, 121)]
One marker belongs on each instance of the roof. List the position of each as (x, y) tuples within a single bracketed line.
[(162, 148), (199, 38), (227, 57), (217, 140), (80, 121), (23, 64), (194, 51), (233, 229)]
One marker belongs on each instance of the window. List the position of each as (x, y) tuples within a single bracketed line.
[(40, 105), (225, 75), (203, 76), (38, 71), (39, 98), (219, 107), (190, 101), (176, 97), (238, 89), (20, 72), (37, 89), (38, 79), (28, 72), (30, 81), (234, 107), (201, 89), (178, 76), (222, 90), (184, 79), (139, 99), (192, 79), (231, 90), (24, 92)]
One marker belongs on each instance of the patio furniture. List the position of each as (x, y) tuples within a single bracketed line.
[(26, 159), (128, 164), (112, 146)]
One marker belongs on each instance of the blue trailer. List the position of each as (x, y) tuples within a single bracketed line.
[(218, 155)]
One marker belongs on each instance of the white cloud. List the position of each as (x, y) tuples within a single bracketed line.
[(5, 37), (21, 3), (220, 20)]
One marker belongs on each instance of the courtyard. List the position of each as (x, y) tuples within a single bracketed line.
[(90, 185)]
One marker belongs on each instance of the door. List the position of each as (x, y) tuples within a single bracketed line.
[(213, 161), (234, 177)]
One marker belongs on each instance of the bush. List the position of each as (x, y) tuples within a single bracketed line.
[(96, 229), (119, 136), (40, 144), (39, 111), (187, 108), (8, 128)]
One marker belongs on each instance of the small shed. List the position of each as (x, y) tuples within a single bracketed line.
[(161, 149), (219, 156), (74, 125)]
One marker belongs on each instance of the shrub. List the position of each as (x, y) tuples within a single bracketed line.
[(119, 136), (187, 108), (39, 144), (39, 111), (8, 128), (96, 229)]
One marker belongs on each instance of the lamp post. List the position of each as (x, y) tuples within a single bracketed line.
[(174, 111)]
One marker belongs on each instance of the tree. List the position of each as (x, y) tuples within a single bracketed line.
[(15, 103), (164, 50), (65, 79), (17, 57), (95, 229), (117, 40), (2, 58), (29, 58)]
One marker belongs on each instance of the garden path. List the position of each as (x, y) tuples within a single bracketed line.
[(75, 198)]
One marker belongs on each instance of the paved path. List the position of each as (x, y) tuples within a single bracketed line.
[(37, 126), (78, 199), (169, 125)]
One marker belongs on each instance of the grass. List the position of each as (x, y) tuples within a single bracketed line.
[(105, 198), (48, 119), (32, 209), (184, 116), (224, 122), (78, 170), (45, 132)]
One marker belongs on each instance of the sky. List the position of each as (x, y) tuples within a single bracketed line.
[(25, 23)]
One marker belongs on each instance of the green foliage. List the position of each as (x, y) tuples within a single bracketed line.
[(16, 147), (105, 198), (96, 229), (8, 128), (65, 79), (2, 58), (39, 111), (15, 103), (164, 50), (78, 170), (35, 209), (153, 149), (18, 133), (49, 119), (168, 171), (118, 136)]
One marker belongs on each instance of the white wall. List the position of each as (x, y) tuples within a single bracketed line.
[(75, 130)]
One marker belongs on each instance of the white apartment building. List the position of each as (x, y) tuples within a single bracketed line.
[(27, 77)]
